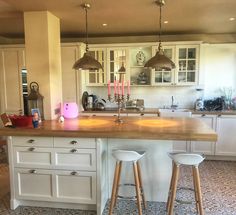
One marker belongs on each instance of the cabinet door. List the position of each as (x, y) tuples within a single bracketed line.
[(116, 58), (207, 148), (181, 146), (11, 92), (32, 156), (34, 184), (76, 187), (187, 64), (97, 77), (165, 77), (226, 127), (79, 159), (69, 55)]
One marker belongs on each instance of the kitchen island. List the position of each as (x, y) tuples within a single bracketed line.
[(70, 164)]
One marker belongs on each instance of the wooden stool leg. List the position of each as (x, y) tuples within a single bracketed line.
[(195, 190), (137, 187), (118, 181), (114, 188), (171, 187), (199, 193), (141, 185), (174, 188)]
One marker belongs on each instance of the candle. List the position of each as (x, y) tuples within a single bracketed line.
[(128, 87), (109, 88), (115, 86), (123, 88), (118, 86)]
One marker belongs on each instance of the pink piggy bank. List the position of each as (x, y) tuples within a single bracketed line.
[(70, 110)]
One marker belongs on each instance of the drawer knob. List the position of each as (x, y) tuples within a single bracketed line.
[(31, 141), (142, 114), (73, 173), (31, 149), (73, 142), (33, 171), (74, 150), (219, 115), (203, 115)]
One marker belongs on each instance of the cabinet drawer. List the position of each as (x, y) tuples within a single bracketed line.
[(74, 142), (76, 187), (78, 159), (33, 184), (32, 157), (33, 141)]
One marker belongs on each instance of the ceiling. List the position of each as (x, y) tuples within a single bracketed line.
[(132, 17)]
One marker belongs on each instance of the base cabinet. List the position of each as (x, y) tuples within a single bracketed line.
[(64, 170)]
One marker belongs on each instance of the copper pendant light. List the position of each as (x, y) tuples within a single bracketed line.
[(160, 61), (87, 62)]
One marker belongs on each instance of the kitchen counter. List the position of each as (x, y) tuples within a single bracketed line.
[(132, 128), (132, 110), (223, 112)]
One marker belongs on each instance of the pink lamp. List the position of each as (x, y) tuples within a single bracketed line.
[(70, 110)]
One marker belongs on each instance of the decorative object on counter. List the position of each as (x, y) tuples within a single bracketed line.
[(160, 61), (227, 94), (20, 121), (35, 99), (70, 110), (35, 120), (140, 57), (6, 120), (142, 78), (216, 104), (87, 62), (61, 119), (119, 96)]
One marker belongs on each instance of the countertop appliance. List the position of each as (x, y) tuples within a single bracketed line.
[(216, 104), (199, 104)]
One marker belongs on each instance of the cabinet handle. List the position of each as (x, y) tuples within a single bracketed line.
[(73, 142), (203, 115), (31, 141), (219, 115), (31, 149), (33, 171), (142, 114), (74, 150), (73, 173)]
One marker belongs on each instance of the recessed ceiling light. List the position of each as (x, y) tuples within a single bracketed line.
[(231, 19), (104, 24), (166, 22)]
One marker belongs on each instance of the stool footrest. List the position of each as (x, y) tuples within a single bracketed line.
[(128, 197)]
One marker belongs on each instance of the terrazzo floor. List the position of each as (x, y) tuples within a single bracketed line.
[(218, 180)]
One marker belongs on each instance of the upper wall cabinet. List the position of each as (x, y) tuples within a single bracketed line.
[(97, 77), (134, 57), (12, 61)]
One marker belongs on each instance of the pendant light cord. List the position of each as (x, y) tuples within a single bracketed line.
[(159, 47), (86, 17)]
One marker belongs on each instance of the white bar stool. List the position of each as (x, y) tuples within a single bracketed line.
[(127, 156), (188, 159)]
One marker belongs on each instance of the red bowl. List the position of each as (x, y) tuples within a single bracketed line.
[(21, 121)]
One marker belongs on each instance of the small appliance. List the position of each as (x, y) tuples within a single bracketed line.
[(199, 105), (70, 110)]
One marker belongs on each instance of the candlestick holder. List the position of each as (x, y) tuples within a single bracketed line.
[(120, 100)]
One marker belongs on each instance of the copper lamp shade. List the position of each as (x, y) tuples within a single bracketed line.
[(87, 62), (160, 61)]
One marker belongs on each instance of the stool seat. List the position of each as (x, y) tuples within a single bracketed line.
[(125, 155), (190, 159)]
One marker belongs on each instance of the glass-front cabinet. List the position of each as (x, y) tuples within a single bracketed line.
[(116, 58), (187, 65), (139, 75), (162, 77), (97, 77)]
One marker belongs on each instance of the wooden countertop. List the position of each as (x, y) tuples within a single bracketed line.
[(132, 128), (135, 111), (223, 112)]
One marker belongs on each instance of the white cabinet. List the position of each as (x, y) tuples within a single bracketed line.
[(71, 88), (226, 127), (207, 148), (54, 169), (12, 61), (33, 184), (76, 187)]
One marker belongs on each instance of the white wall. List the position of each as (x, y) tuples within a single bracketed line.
[(220, 68)]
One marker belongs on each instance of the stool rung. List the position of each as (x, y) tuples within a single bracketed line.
[(182, 201)]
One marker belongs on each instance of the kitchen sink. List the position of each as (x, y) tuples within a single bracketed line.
[(165, 112)]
